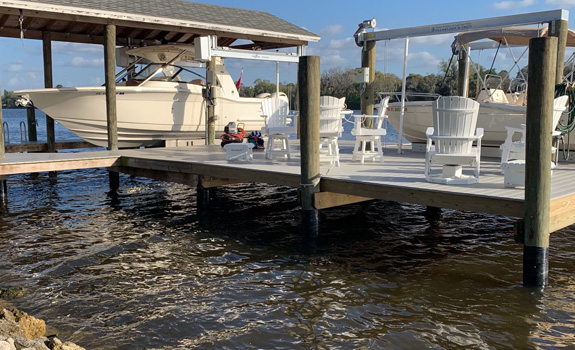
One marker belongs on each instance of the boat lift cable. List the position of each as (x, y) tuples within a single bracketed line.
[(495, 56), (447, 69)]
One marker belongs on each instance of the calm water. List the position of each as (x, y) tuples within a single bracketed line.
[(146, 270)]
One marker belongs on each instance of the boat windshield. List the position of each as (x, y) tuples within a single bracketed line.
[(409, 96), (162, 72)]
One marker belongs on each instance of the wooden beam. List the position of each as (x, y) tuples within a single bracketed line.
[(126, 32), (161, 35), (181, 178), (561, 213), (243, 174), (175, 38), (324, 200), (143, 34), (211, 181), (426, 197), (43, 147), (92, 27), (56, 165), (47, 26), (3, 20), (70, 26)]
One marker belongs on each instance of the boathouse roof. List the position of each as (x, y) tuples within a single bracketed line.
[(148, 22)]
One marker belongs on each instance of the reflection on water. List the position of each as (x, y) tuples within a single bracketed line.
[(145, 270)]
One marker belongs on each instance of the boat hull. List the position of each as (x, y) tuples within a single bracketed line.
[(493, 118), (146, 115)]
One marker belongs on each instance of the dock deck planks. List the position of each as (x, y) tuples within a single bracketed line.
[(399, 178)]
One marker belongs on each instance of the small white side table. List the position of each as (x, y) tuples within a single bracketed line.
[(239, 151)]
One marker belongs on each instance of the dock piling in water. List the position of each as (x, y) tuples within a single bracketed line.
[(48, 83), (541, 80), (309, 94)]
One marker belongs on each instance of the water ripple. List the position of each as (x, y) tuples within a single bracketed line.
[(145, 270)]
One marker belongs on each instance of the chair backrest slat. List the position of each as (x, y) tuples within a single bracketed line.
[(276, 112), (558, 108), (330, 116), (457, 117)]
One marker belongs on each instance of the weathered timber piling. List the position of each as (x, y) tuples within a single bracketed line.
[(48, 83), (203, 196), (31, 119), (559, 29), (211, 83), (309, 88), (463, 72), (368, 60), (111, 110), (2, 144), (3, 185), (541, 80)]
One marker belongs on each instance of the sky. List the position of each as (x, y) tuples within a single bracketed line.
[(334, 21)]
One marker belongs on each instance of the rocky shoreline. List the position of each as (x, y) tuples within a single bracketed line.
[(20, 331)]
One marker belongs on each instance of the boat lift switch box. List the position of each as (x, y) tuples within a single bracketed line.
[(202, 48), (362, 75)]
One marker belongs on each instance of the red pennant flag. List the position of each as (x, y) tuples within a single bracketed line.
[(239, 82)]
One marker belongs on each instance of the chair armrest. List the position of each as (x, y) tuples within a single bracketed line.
[(428, 134), (458, 138), (514, 129), (479, 132)]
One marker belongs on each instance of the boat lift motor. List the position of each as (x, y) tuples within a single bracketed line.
[(368, 23)]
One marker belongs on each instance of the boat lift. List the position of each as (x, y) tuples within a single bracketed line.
[(362, 36), (206, 47)]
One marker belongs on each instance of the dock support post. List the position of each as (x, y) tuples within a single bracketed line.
[(368, 60), (2, 141), (541, 79), (111, 111), (432, 214), (48, 83), (309, 87), (31, 120), (202, 196), (559, 29), (3, 183), (463, 72), (211, 117), (3, 191)]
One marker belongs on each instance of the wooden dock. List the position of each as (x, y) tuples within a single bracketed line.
[(400, 178)]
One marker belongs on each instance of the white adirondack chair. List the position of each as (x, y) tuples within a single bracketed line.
[(450, 141), (277, 127), (330, 128), (515, 150), (368, 130)]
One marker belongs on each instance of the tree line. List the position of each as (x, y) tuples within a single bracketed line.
[(340, 82)]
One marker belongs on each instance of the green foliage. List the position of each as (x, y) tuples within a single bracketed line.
[(9, 99)]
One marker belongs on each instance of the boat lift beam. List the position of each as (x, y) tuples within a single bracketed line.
[(466, 26), (362, 36), (206, 48)]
